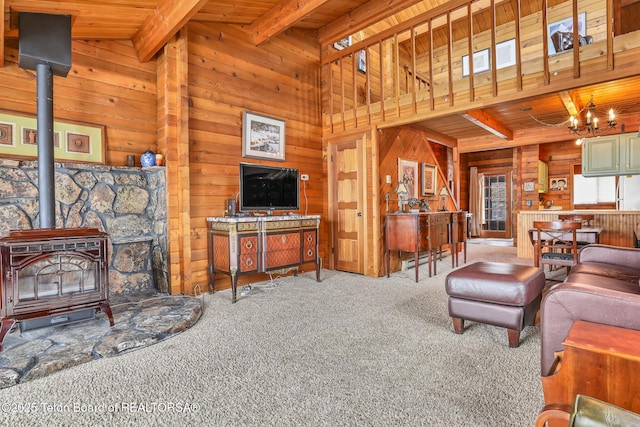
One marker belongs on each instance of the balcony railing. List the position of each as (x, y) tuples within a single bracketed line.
[(462, 55)]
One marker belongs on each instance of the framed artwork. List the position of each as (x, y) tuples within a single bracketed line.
[(481, 62), (7, 133), (30, 137), (558, 184), (345, 42), (362, 61), (506, 54), (408, 173), (262, 137), (72, 141), (429, 179), (529, 186), (557, 42)]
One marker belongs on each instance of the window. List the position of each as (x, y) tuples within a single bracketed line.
[(593, 190)]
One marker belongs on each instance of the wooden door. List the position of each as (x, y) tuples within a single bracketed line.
[(346, 195), (497, 206)]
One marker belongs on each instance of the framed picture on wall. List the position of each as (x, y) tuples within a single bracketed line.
[(558, 184), (262, 137), (72, 141), (408, 173), (506, 54), (362, 61), (429, 179), (559, 31), (481, 62)]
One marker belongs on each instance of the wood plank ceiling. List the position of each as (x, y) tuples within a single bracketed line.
[(151, 23)]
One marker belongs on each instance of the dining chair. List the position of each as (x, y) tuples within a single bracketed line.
[(555, 244), (584, 219)]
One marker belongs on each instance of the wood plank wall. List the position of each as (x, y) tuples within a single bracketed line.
[(106, 85), (409, 144), (560, 158), (529, 173), (227, 75)]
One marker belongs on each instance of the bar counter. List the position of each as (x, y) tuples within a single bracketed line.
[(617, 226)]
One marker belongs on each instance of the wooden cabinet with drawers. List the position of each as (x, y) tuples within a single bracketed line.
[(245, 245), (424, 232)]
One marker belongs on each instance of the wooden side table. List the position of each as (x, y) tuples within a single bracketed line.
[(600, 361)]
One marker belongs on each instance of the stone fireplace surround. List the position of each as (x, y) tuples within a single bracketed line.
[(128, 203)]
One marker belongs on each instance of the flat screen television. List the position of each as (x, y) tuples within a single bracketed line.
[(268, 188)]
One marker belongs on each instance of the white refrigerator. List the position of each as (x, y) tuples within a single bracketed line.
[(629, 193)]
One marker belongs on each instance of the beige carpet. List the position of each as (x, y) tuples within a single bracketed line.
[(350, 350)]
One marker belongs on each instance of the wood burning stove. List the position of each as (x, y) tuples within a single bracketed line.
[(52, 272), (47, 272)]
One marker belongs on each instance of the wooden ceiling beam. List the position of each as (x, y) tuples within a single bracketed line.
[(535, 135), (361, 17), (567, 101), (435, 136), (488, 123), (280, 17), (168, 17)]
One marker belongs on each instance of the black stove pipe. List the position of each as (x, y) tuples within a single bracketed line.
[(45, 46), (46, 173)]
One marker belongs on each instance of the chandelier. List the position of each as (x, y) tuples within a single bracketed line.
[(590, 126)]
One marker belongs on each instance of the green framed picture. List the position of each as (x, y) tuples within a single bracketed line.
[(72, 141)]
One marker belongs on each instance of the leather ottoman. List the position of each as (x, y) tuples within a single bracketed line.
[(499, 294)]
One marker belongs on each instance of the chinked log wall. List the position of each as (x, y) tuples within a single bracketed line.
[(383, 95)]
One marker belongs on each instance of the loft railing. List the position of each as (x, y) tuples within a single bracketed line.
[(431, 64)]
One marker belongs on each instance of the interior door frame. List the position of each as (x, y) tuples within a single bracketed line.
[(359, 141), (509, 220)]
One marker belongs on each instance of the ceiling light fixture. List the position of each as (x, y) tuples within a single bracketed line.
[(590, 126)]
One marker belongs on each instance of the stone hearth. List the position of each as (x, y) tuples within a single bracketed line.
[(128, 203), (141, 319)]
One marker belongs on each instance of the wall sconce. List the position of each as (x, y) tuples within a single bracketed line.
[(443, 195)]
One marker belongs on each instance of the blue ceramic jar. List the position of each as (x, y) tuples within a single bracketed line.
[(148, 159)]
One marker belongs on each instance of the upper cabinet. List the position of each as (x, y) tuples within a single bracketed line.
[(611, 155), (631, 148), (543, 177)]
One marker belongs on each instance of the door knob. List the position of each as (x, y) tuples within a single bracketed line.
[(359, 214)]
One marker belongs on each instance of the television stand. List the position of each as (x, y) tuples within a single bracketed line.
[(249, 245)]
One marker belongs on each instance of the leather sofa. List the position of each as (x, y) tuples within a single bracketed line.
[(602, 288)]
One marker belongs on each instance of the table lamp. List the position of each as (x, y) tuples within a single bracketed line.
[(443, 194), (402, 191)]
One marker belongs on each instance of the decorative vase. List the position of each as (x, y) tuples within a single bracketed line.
[(148, 159)]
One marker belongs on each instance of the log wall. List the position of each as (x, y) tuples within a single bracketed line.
[(106, 85), (228, 74)]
